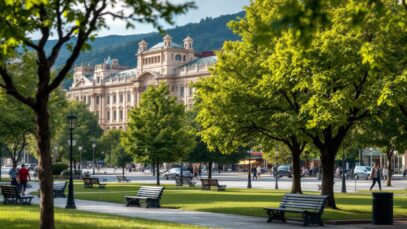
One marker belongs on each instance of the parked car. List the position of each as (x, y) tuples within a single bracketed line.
[(284, 170), (176, 172), (361, 172)]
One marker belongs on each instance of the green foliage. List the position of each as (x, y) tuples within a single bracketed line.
[(76, 173), (108, 142), (157, 129), (58, 167), (86, 131)]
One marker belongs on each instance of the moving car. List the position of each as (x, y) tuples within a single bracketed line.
[(176, 172), (361, 172), (284, 170)]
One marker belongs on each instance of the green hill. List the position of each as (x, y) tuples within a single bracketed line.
[(208, 34)]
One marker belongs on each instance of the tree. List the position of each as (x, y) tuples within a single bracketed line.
[(388, 133), (86, 130), (120, 157), (201, 153), (239, 107), (109, 141), (73, 23), (157, 129)]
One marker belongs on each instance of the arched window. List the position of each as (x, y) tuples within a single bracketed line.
[(178, 57)]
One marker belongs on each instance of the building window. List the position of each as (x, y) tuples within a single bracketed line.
[(114, 115), (121, 97), (121, 115), (108, 116), (77, 98), (97, 99), (114, 98), (184, 58), (190, 91), (181, 93), (128, 97), (108, 99), (178, 57), (98, 80), (172, 88)]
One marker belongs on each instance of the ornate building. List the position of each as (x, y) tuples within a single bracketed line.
[(111, 90)]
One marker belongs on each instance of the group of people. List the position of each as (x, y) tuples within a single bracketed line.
[(20, 177)]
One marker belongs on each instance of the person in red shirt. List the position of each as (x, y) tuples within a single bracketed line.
[(23, 175)]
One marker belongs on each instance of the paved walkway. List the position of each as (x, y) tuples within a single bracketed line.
[(212, 220)]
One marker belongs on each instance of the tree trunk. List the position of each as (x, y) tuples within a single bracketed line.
[(389, 155), (210, 170), (123, 167), (43, 136), (327, 164), (158, 172), (153, 166), (296, 182)]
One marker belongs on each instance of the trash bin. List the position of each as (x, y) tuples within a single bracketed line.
[(382, 208)]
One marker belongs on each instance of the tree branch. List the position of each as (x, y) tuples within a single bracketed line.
[(10, 88)]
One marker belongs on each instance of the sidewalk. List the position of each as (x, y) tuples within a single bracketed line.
[(212, 220)]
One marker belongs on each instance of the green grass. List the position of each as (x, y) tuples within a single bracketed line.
[(239, 201), (21, 217)]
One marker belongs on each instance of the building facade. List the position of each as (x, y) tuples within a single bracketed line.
[(112, 90)]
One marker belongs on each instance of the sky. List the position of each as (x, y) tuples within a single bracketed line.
[(205, 8)]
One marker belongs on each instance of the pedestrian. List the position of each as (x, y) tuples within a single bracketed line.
[(258, 171), (23, 174), (338, 172), (385, 174), (254, 172), (195, 169), (375, 175), (13, 176)]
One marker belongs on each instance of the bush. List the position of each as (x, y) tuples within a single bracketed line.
[(65, 173), (58, 167)]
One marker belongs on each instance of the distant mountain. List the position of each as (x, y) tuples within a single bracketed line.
[(208, 34)]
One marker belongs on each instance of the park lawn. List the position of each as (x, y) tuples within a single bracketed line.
[(12, 216), (239, 201)]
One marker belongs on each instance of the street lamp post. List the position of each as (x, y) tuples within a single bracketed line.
[(276, 171), (343, 172), (71, 124), (80, 157), (249, 176), (93, 156)]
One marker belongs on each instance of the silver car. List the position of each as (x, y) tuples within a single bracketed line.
[(361, 172), (176, 172)]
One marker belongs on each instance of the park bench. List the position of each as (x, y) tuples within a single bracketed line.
[(11, 195), (310, 206), (95, 181), (207, 183), (87, 182), (185, 180), (58, 189), (122, 179), (150, 194)]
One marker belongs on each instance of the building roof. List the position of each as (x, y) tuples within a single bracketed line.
[(161, 45), (202, 61)]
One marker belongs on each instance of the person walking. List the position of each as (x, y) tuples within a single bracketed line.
[(375, 174), (254, 172), (23, 175), (13, 176), (258, 171), (385, 174)]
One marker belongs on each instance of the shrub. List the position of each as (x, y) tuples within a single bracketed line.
[(65, 173), (58, 167)]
